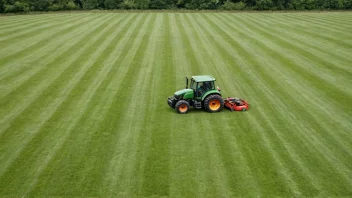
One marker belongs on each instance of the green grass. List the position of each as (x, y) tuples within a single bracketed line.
[(83, 107)]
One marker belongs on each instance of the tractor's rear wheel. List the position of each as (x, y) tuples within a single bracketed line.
[(214, 103), (182, 106)]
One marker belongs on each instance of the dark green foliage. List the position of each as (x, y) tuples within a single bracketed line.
[(40, 5), (12, 6), (90, 4), (1, 6), (128, 4), (143, 4), (228, 5), (71, 6), (111, 4), (16, 7), (264, 4)]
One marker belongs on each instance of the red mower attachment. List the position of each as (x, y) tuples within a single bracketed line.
[(235, 104)]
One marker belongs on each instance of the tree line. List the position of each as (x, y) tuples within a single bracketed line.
[(11, 6)]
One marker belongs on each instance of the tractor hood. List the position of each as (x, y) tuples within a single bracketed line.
[(183, 91)]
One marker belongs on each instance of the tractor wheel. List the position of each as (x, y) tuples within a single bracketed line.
[(182, 106), (214, 103)]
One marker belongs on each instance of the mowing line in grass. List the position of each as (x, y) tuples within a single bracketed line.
[(314, 39), (275, 157), (60, 100), (302, 90), (42, 35), (128, 89), (315, 58), (11, 102), (95, 112), (345, 169), (15, 75), (84, 113), (237, 76), (83, 99), (13, 26), (184, 163)]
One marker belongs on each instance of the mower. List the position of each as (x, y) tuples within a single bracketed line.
[(202, 94), (236, 104)]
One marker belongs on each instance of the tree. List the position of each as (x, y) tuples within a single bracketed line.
[(71, 6), (111, 4), (157, 4), (128, 4), (40, 5), (2, 4), (264, 4), (228, 5), (143, 4), (90, 4)]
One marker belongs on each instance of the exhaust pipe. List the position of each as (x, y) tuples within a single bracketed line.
[(186, 83)]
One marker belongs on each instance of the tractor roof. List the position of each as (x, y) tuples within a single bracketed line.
[(203, 78)]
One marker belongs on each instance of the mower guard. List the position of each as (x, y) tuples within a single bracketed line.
[(236, 104)]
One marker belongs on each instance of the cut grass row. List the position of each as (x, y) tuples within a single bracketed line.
[(83, 105)]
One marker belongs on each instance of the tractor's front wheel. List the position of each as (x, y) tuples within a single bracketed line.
[(214, 103), (182, 106)]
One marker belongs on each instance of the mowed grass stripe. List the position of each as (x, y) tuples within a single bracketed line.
[(338, 120), (237, 76), (319, 30), (96, 131), (319, 82), (337, 17), (10, 23), (193, 151), (208, 183), (14, 102), (35, 37), (314, 39), (227, 54), (91, 119), (310, 60), (12, 66), (323, 46), (212, 65), (330, 65), (317, 125), (216, 171), (65, 63), (84, 100), (285, 169), (315, 20), (121, 87), (184, 147), (20, 28), (83, 95), (136, 132), (123, 128), (301, 89), (37, 107), (155, 160), (194, 162), (326, 113), (231, 84), (15, 75), (92, 112)]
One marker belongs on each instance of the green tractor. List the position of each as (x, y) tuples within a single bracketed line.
[(202, 94)]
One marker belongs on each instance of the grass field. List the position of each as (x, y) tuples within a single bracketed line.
[(83, 107)]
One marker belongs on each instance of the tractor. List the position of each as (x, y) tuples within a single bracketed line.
[(201, 94)]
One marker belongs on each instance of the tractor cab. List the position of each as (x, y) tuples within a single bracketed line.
[(201, 94), (200, 87)]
